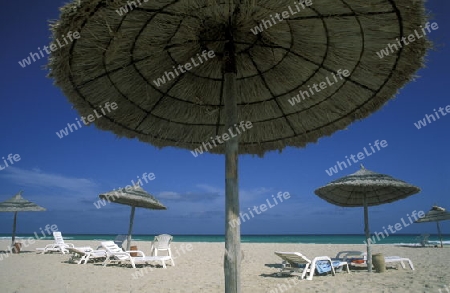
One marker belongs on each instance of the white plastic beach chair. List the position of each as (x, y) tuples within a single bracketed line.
[(85, 254), (422, 240), (58, 246), (162, 243), (292, 262), (116, 255)]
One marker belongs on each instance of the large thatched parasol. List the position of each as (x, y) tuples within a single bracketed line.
[(18, 204), (135, 197), (436, 214), (365, 188), (252, 77)]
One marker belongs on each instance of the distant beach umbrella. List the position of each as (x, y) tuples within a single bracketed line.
[(136, 197), (365, 188), (18, 204), (436, 214), (295, 80)]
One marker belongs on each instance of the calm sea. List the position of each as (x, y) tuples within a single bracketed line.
[(319, 239)]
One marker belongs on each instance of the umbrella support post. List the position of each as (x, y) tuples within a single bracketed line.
[(13, 238), (232, 257), (366, 230), (440, 235), (130, 228)]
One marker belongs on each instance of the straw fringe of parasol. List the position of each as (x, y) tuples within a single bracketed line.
[(271, 67)]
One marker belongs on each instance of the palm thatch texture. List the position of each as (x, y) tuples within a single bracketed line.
[(134, 197), (251, 77), (436, 214), (18, 204), (365, 188)]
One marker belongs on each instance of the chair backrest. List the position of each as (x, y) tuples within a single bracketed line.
[(344, 255), (111, 247), (58, 238), (120, 239), (293, 258), (423, 239), (162, 241), (113, 250)]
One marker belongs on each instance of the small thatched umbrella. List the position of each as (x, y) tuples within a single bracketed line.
[(365, 188), (436, 214), (134, 197), (18, 204), (132, 55)]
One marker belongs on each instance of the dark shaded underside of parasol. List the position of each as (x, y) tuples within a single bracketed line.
[(117, 58), (349, 191)]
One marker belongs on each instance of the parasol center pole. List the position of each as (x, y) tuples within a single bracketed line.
[(13, 238), (439, 231), (130, 228), (232, 257), (366, 230)]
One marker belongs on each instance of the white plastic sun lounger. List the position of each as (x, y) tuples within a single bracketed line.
[(84, 254), (116, 255), (292, 262), (58, 246), (350, 256)]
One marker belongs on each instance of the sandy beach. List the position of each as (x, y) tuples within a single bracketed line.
[(201, 270)]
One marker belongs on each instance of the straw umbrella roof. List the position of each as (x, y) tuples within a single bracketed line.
[(117, 58), (135, 197), (18, 204), (434, 215), (349, 191)]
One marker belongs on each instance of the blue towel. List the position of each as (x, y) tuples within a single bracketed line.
[(323, 266)]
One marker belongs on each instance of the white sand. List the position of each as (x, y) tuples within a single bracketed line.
[(201, 270)]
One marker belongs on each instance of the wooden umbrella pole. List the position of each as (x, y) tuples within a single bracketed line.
[(14, 230), (130, 228), (366, 230), (232, 258), (440, 235)]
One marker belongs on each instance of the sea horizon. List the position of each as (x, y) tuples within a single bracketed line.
[(398, 239)]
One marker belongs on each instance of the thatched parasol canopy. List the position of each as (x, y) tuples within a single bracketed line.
[(375, 188), (117, 58), (18, 204), (436, 214), (124, 49), (135, 197), (365, 188)]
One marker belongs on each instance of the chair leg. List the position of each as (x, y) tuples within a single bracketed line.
[(305, 271)]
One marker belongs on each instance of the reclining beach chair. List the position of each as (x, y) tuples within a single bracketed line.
[(296, 262), (351, 257), (162, 243), (80, 254), (422, 240), (114, 254), (359, 258), (58, 246)]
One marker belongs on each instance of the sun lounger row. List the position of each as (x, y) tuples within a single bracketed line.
[(111, 252)]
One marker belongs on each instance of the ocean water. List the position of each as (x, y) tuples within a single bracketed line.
[(318, 239)]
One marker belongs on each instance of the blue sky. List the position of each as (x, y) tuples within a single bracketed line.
[(66, 175)]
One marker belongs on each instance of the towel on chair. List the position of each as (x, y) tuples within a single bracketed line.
[(323, 266)]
